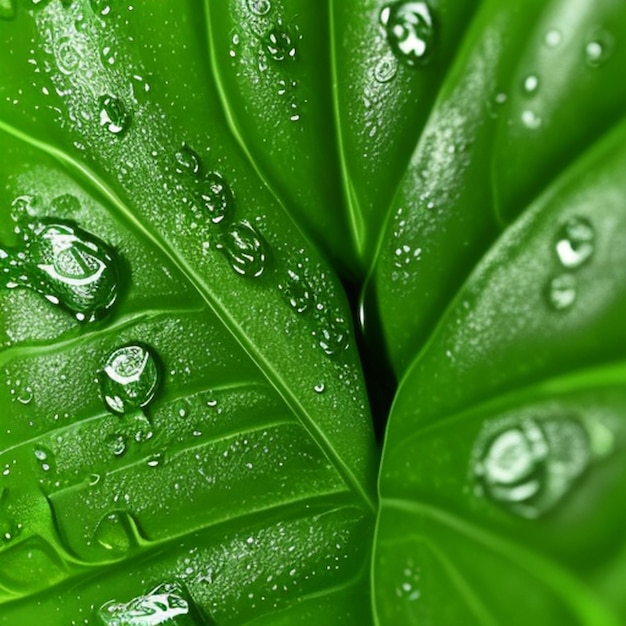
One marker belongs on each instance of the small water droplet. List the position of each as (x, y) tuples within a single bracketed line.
[(562, 292), (67, 56), (100, 7), (7, 9), (529, 467), (113, 115), (107, 55), (386, 69), (181, 409), (216, 198), (94, 479), (297, 291), (553, 38), (531, 84), (68, 266), (140, 87), (530, 119), (246, 249), (332, 334), (260, 7), (576, 241), (25, 396), (410, 31), (167, 603), (279, 44), (319, 388), (187, 161), (156, 459), (129, 379), (45, 458), (117, 444), (114, 533)]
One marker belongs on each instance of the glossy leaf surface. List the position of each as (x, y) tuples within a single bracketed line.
[(205, 461)]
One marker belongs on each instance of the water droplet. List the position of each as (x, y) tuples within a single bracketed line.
[(181, 409), (100, 7), (188, 161), (297, 291), (530, 119), (68, 266), (156, 459), (166, 604), (332, 334), (140, 86), (65, 205), (260, 7), (114, 533), (67, 55), (216, 198), (130, 378), (562, 292), (117, 444), (25, 396), (599, 49), (410, 31), (531, 84), (45, 458), (113, 115), (246, 249), (386, 69), (529, 467), (575, 244), (553, 38), (7, 9), (107, 55), (319, 388), (279, 44)]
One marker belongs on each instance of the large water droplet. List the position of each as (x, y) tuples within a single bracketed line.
[(129, 379), (216, 198), (113, 115), (410, 31), (576, 242), (69, 266), (167, 604), (187, 161), (115, 533), (246, 249), (260, 7), (297, 291), (7, 9), (279, 44), (562, 292), (529, 467)]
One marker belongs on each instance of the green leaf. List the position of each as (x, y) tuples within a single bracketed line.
[(512, 112), (503, 461), (241, 470)]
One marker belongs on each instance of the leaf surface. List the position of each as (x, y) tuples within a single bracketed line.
[(248, 484)]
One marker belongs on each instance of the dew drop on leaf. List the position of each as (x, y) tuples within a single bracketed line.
[(576, 242), (279, 44), (598, 50), (531, 84), (129, 379), (529, 467), (187, 161), (410, 31), (553, 38), (45, 458), (562, 292), (168, 603), (216, 198), (67, 55), (100, 7), (332, 334), (260, 7), (7, 9), (297, 291), (245, 249), (117, 444), (113, 115), (386, 69), (68, 266), (114, 533)]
